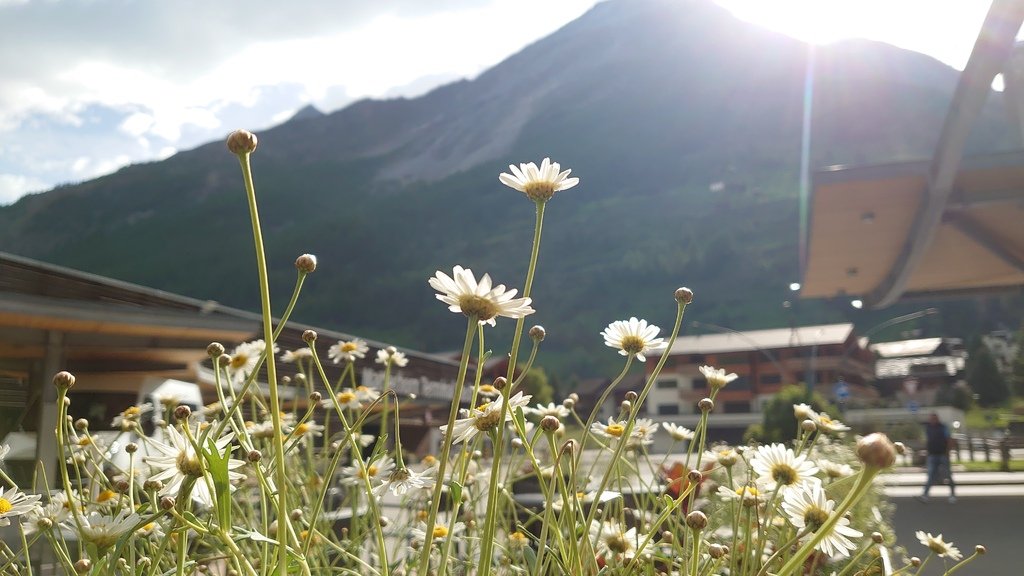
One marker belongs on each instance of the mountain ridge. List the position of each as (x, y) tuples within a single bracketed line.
[(649, 102)]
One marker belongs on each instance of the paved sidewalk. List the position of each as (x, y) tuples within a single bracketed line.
[(905, 484)]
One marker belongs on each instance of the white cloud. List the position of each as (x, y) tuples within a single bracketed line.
[(14, 186)]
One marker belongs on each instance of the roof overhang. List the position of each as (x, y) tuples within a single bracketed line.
[(865, 218), (941, 227)]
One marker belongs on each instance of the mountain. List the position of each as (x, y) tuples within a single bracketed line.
[(682, 122)]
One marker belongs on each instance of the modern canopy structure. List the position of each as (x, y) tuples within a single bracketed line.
[(947, 226)]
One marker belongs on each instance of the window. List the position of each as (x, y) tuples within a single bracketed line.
[(666, 384), (700, 383), (668, 409), (770, 379), (737, 407)]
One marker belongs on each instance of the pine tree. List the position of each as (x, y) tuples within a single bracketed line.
[(983, 375)]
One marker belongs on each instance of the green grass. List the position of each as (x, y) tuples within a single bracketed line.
[(994, 466), (995, 418)]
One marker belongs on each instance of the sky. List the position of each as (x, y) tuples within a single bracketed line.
[(89, 86)]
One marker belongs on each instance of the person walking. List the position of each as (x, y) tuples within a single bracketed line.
[(938, 443)]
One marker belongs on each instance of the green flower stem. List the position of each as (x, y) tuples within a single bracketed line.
[(780, 550), (656, 525), (923, 564), (695, 554), (229, 412), (635, 409), (446, 446), (853, 561), (281, 477), (863, 484), (960, 564), (600, 402), (358, 460), (62, 417), (487, 548)]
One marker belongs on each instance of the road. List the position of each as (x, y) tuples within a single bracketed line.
[(978, 517)]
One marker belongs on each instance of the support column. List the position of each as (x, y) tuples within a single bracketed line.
[(46, 437)]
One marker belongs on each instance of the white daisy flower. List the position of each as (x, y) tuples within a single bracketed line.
[(4, 449), (485, 417), (778, 467), (244, 358), (178, 461), (390, 356), (677, 432), (308, 429), (367, 394), (348, 351), (804, 412), (42, 518), (127, 420), (716, 377), (584, 498), (296, 355), (463, 294), (643, 432), (14, 503), (103, 530), (829, 426), (611, 540), (402, 480), (347, 399), (634, 338), (938, 546), (151, 530), (539, 184), (724, 454), (552, 409), (377, 471), (726, 493), (439, 532), (613, 429), (835, 469), (809, 508)]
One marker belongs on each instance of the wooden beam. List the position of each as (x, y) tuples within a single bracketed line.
[(989, 57), (983, 237)]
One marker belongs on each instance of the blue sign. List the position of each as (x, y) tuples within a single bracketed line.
[(841, 390)]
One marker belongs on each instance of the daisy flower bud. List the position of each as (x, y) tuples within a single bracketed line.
[(64, 380), (684, 295), (306, 263), (876, 451), (632, 396), (549, 423), (309, 336), (706, 405), (214, 350), (696, 520), (500, 382), (83, 565), (808, 425), (537, 333), (241, 142), (182, 412)]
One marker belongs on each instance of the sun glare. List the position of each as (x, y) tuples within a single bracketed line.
[(944, 29)]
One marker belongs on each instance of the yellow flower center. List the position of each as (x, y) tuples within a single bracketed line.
[(748, 490), (616, 543), (5, 505), (372, 470), (633, 344), (105, 496), (346, 397), (189, 465), (784, 474), (421, 515), (84, 441), (238, 361), (439, 532), (132, 411), (936, 546), (429, 460), (814, 518), (482, 308), (539, 191), (615, 430), (488, 420), (349, 347), (302, 429), (488, 389)]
